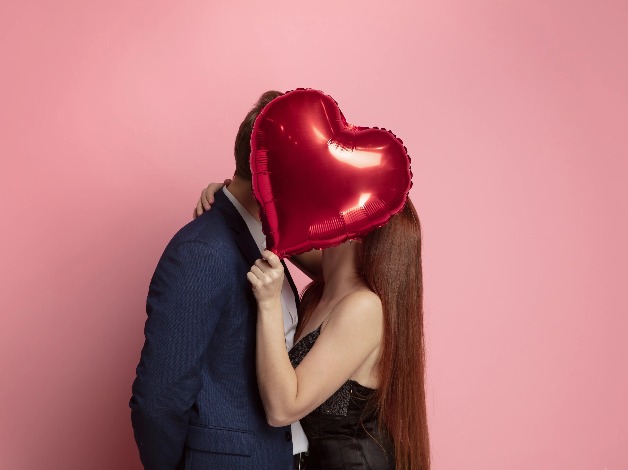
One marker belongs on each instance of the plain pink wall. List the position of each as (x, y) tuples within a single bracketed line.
[(113, 116)]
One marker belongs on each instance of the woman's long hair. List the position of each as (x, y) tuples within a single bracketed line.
[(391, 266)]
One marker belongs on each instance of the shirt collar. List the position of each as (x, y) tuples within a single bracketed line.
[(254, 225)]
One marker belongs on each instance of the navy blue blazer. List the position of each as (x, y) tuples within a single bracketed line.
[(196, 403)]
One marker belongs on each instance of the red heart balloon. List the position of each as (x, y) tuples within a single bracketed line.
[(320, 181)]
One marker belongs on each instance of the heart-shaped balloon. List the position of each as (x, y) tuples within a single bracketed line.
[(320, 181)]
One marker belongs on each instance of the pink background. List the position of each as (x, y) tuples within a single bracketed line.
[(113, 116)]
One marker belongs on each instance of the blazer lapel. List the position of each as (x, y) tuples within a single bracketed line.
[(243, 237), (291, 282)]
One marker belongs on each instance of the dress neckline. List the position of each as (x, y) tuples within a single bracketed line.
[(309, 334)]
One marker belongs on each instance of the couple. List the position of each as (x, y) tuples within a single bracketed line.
[(228, 379)]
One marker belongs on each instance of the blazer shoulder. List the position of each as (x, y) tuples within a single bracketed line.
[(210, 229)]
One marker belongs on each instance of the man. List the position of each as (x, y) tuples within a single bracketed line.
[(195, 402)]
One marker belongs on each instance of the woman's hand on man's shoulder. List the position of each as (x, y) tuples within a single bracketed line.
[(206, 199)]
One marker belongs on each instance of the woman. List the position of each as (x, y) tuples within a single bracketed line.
[(355, 377)]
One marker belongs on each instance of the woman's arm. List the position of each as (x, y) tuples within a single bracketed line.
[(351, 335)]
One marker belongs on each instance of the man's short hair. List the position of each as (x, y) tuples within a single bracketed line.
[(242, 148)]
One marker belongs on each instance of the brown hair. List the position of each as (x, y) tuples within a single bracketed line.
[(242, 147), (391, 267)]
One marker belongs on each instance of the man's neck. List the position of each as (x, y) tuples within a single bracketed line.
[(241, 189)]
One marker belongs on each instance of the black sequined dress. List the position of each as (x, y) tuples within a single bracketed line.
[(343, 432)]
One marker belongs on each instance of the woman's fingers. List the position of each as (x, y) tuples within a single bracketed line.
[(258, 272), (253, 279), (263, 265), (266, 280), (265, 272), (273, 260), (205, 201), (259, 278), (207, 197)]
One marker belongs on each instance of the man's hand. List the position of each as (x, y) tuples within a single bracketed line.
[(207, 197)]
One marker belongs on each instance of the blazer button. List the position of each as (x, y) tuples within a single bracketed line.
[(288, 436)]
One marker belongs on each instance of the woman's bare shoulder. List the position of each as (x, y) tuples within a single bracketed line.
[(361, 308)]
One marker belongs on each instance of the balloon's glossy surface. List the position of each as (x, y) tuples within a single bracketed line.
[(320, 181)]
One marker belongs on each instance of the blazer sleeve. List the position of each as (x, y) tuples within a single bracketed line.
[(185, 299)]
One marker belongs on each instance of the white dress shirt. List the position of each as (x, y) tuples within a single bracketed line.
[(288, 307)]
